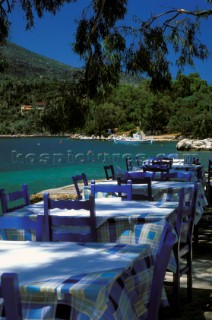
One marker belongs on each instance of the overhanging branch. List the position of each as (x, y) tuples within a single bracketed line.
[(177, 12)]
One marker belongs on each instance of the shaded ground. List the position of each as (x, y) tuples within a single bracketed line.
[(201, 306)]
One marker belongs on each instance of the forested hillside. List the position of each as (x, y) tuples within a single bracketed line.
[(23, 64), (35, 81)]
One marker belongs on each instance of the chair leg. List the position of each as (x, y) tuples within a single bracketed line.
[(189, 277), (11, 295), (176, 291), (209, 194), (196, 235), (189, 287)]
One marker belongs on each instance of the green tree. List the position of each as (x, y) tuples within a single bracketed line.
[(131, 100), (101, 39), (147, 53), (156, 113), (65, 114), (103, 117), (191, 115)]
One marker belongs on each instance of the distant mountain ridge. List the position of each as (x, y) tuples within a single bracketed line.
[(23, 63)]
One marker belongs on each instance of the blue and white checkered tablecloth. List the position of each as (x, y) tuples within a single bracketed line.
[(117, 288), (116, 221), (166, 191)]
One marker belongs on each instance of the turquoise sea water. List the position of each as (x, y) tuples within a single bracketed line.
[(45, 163)]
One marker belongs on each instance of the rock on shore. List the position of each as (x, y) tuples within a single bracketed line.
[(195, 144)]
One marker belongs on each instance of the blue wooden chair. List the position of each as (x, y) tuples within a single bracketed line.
[(77, 180), (129, 164), (14, 200), (183, 248), (161, 262), (139, 162), (13, 307), (123, 190), (161, 237), (109, 172), (11, 296), (139, 177), (9, 223), (209, 182), (54, 224), (136, 175), (156, 167), (163, 161), (203, 229)]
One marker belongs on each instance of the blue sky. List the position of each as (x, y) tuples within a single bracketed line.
[(53, 36)]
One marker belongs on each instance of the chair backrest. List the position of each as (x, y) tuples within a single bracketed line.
[(139, 161), (124, 190), (11, 296), (22, 223), (208, 182), (139, 178), (161, 263), (209, 171), (163, 161), (109, 172), (77, 180), (129, 164), (9, 200), (156, 168), (186, 212), (71, 224), (138, 175)]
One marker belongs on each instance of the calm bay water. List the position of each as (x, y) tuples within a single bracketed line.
[(45, 163)]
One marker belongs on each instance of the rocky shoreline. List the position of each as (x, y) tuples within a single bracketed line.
[(194, 144), (183, 144), (165, 137)]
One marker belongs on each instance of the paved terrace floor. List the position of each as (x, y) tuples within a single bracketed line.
[(201, 306)]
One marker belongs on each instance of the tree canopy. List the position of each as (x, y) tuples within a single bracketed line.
[(57, 106), (101, 35)]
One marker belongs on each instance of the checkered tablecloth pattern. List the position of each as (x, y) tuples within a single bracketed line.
[(113, 217), (170, 190), (136, 233), (113, 294), (197, 171), (166, 191), (18, 234), (117, 227)]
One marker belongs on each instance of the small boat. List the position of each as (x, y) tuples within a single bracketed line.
[(135, 139)]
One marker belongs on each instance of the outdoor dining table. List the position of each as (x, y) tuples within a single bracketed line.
[(116, 221), (163, 191), (197, 170), (170, 190), (179, 165), (95, 280), (115, 212)]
